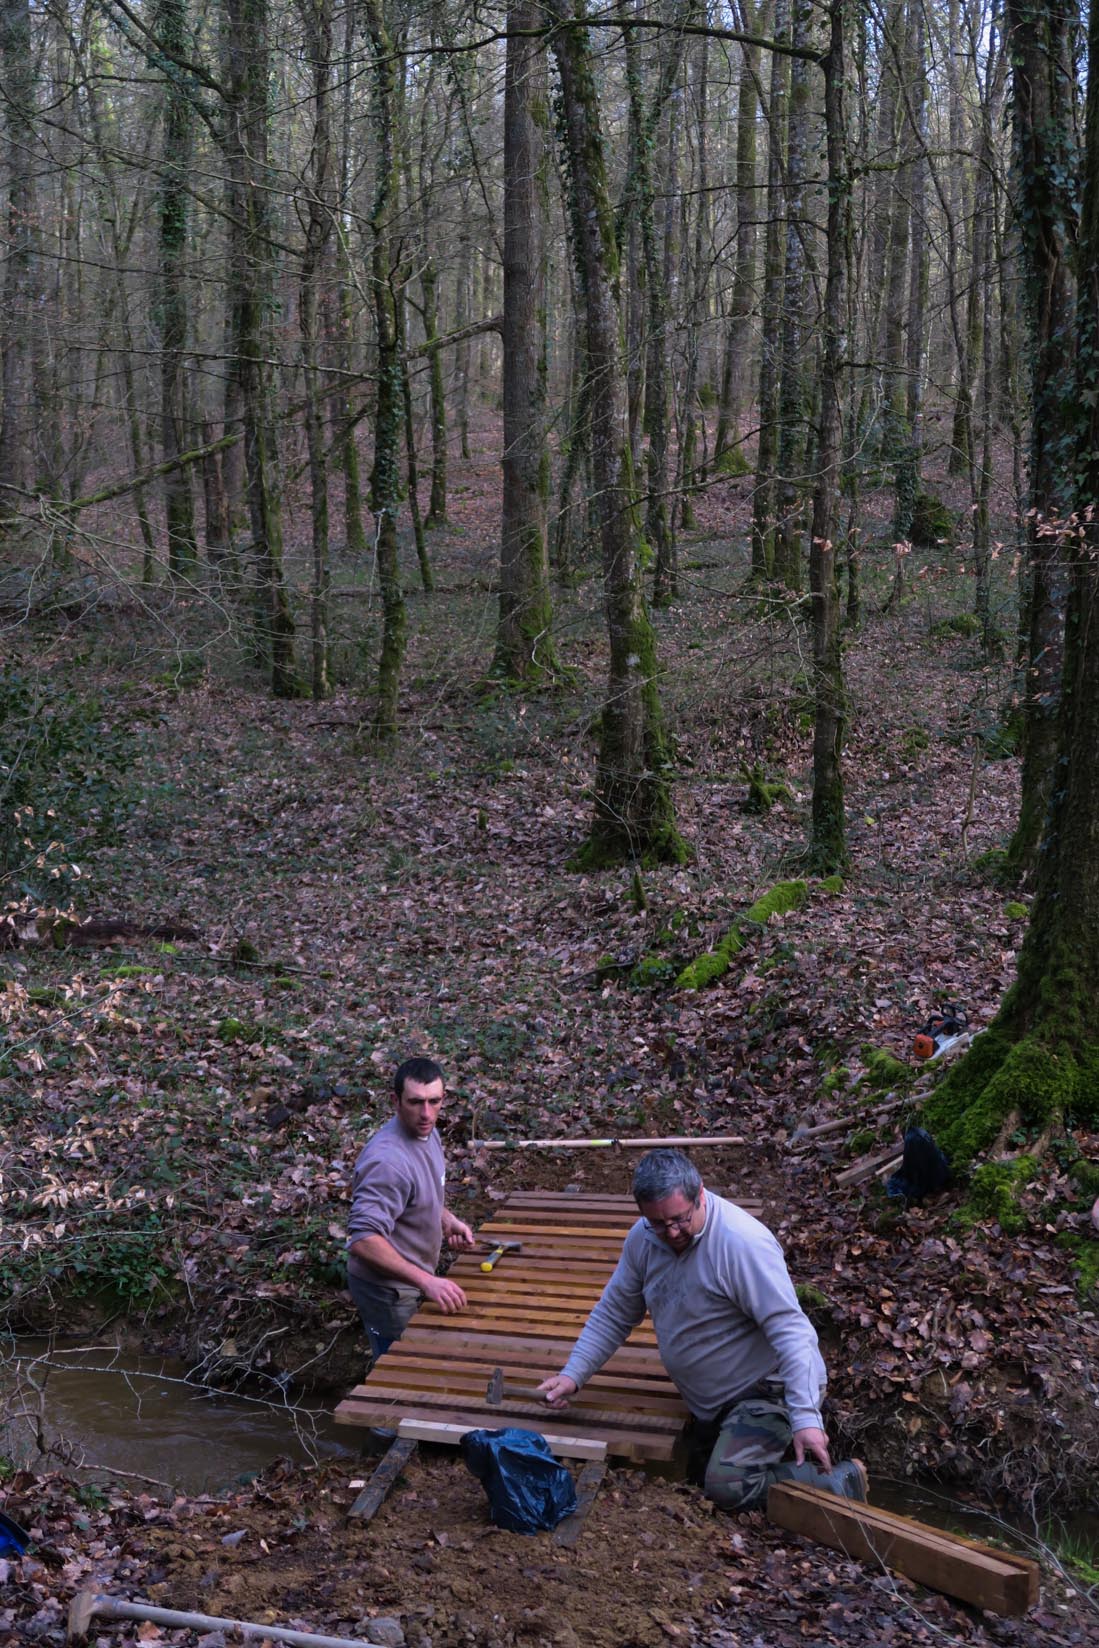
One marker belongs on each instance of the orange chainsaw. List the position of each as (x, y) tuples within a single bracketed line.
[(941, 1031)]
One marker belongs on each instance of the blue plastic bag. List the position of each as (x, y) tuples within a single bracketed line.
[(13, 1539), (528, 1490)]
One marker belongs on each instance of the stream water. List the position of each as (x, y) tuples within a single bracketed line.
[(105, 1409)]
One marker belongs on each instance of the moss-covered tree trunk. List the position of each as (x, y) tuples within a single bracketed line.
[(828, 839), (634, 815), (1046, 163), (384, 478), (524, 641), (1037, 1065)]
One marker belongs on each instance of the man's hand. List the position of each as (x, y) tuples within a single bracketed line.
[(557, 1389), (812, 1441), (459, 1235), (444, 1293)]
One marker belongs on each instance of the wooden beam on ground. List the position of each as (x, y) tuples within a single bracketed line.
[(867, 1166), (677, 1141), (979, 1574), (568, 1447), (388, 1470), (569, 1530)]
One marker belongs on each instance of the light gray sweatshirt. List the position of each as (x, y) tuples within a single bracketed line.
[(398, 1193), (725, 1313)]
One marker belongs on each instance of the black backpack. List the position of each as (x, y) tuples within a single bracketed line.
[(924, 1169)]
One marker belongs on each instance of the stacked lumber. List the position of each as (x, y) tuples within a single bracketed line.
[(523, 1317)]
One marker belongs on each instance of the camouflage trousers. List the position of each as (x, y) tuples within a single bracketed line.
[(745, 1446)]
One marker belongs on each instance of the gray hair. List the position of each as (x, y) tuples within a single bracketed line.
[(661, 1173)]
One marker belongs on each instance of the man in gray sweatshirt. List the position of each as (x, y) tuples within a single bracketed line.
[(398, 1218), (731, 1335)]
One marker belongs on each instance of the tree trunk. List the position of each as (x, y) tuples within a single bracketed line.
[(356, 546), (764, 500), (828, 841), (1046, 166), (634, 816), (251, 277), (384, 481), (794, 396), (910, 457), (1035, 1065), (170, 22), (17, 64), (734, 372), (524, 644), (317, 19)]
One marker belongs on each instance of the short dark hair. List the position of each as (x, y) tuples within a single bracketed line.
[(424, 1071), (661, 1173)]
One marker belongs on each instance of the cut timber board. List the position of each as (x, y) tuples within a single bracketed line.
[(962, 1568), (524, 1317), (386, 1473), (567, 1447), (569, 1530)]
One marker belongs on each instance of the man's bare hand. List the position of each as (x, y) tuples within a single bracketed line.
[(444, 1293), (557, 1389), (812, 1441), (460, 1235)]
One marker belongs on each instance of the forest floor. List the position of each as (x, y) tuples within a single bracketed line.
[(181, 1110)]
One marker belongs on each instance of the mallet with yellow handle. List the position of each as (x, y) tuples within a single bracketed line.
[(498, 1251)]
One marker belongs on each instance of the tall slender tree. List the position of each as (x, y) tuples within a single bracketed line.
[(524, 643), (634, 814)]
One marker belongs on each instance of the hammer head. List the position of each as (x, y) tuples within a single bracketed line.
[(498, 1251), (495, 1388)]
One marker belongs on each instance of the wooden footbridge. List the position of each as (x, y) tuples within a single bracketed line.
[(523, 1317)]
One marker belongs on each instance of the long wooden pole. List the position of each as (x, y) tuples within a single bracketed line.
[(86, 1605), (599, 1144)]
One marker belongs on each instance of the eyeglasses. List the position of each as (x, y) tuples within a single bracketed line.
[(682, 1221)]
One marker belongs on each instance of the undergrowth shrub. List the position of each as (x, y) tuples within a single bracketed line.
[(61, 765)]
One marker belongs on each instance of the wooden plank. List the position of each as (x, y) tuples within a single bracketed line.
[(553, 1325), (577, 1410), (568, 1447), (962, 1568), (568, 1531), (623, 1442), (471, 1385), (388, 1470), (654, 1388), (528, 1348)]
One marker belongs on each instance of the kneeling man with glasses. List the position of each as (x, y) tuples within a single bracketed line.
[(731, 1335)]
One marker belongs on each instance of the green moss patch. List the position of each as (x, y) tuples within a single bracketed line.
[(994, 1193), (883, 1070), (705, 969)]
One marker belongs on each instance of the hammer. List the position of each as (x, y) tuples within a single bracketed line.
[(498, 1252), (498, 1391)]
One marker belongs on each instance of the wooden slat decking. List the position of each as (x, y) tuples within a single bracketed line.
[(524, 1317)]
